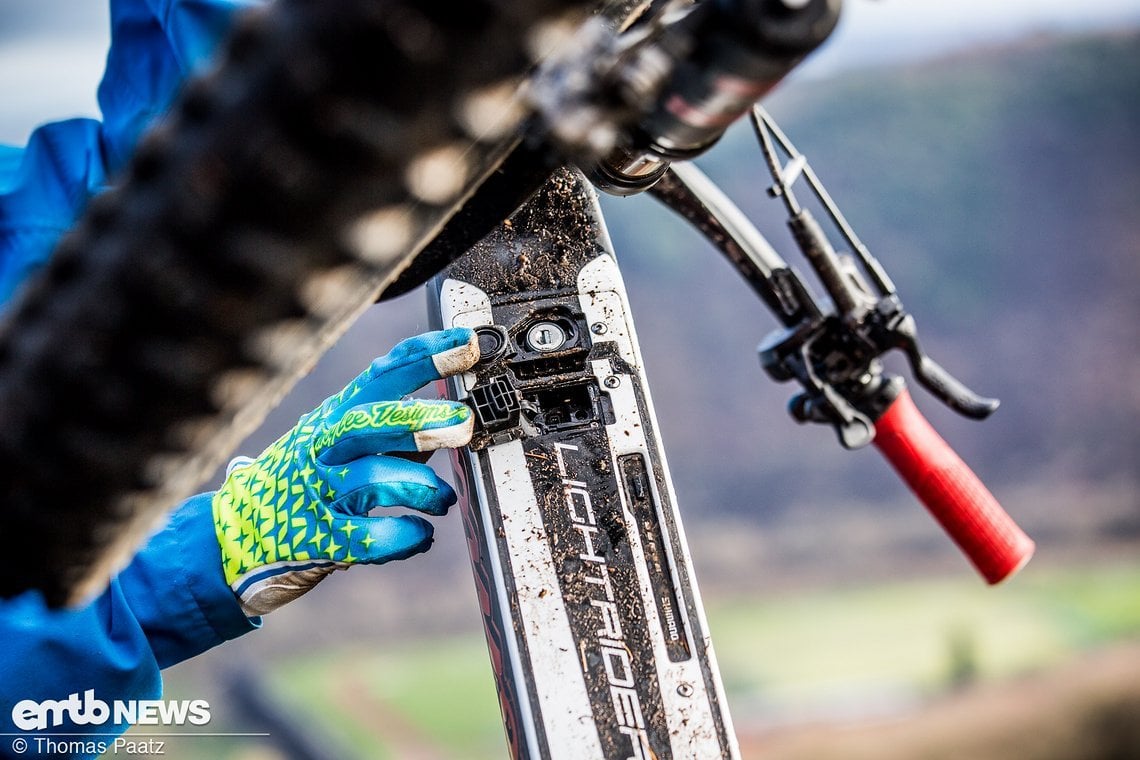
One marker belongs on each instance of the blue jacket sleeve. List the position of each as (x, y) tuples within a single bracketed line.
[(169, 604), (155, 45), (44, 187), (177, 591)]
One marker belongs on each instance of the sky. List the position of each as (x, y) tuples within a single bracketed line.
[(51, 51), (875, 32)]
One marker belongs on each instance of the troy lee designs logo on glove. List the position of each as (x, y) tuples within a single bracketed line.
[(412, 415), (29, 715)]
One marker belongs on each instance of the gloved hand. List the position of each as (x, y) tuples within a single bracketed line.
[(299, 511)]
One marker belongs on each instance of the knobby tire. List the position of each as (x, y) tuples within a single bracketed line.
[(250, 229)]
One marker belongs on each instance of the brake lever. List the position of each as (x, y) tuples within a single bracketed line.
[(935, 378), (866, 302)]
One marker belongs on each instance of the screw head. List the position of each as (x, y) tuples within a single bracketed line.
[(546, 337), (685, 690), (612, 381), (599, 328)]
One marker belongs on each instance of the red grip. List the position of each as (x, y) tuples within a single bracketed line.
[(951, 491)]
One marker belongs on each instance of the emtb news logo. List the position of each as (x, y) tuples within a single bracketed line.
[(29, 715)]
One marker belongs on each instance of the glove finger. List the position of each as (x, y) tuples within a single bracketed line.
[(375, 540), (384, 426), (409, 366), (378, 481)]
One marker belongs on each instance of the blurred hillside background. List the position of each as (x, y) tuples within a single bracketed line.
[(998, 184)]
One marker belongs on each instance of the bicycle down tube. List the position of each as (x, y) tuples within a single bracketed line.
[(597, 633)]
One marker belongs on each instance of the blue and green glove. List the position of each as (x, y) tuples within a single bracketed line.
[(300, 510)]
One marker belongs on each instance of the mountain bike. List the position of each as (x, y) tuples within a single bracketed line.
[(287, 192)]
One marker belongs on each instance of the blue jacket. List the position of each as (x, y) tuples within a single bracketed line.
[(172, 602), (44, 186)]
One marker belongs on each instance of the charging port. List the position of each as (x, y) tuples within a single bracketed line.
[(569, 406)]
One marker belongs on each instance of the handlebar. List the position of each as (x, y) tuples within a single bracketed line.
[(951, 491)]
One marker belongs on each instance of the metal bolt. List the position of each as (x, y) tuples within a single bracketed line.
[(546, 337), (612, 381), (685, 690), (599, 328)]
